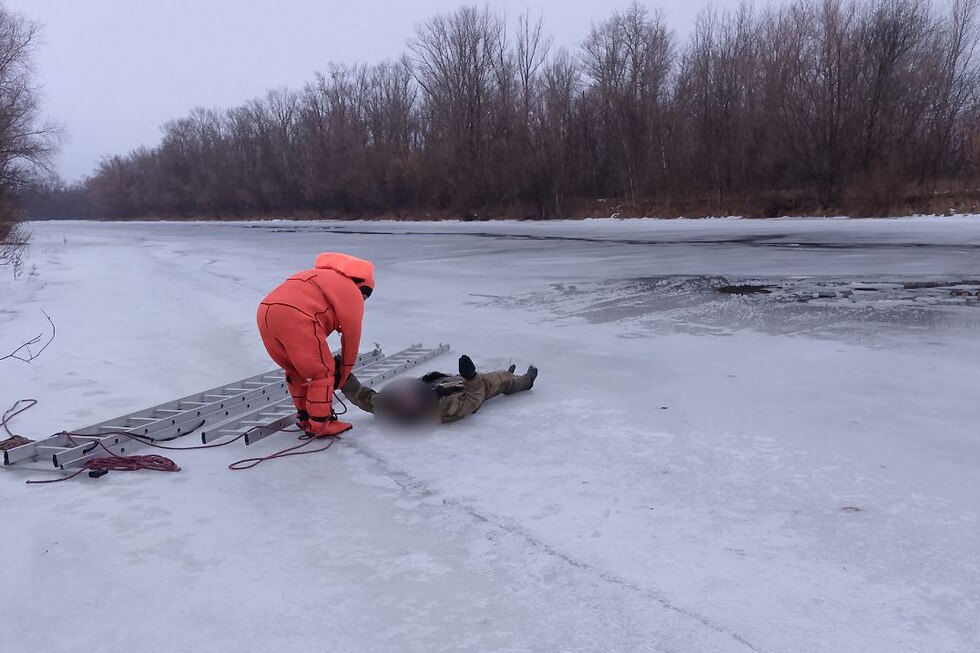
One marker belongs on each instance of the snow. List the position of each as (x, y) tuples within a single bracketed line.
[(791, 470)]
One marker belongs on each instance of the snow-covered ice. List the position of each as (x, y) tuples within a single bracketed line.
[(746, 435)]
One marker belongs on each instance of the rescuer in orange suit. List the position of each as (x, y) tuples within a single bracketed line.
[(295, 320)]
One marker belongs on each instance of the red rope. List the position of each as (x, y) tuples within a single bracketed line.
[(238, 465), (152, 462), (249, 463), (116, 463)]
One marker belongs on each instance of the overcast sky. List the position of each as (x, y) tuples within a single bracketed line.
[(113, 71)]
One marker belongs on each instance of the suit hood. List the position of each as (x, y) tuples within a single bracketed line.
[(347, 265)]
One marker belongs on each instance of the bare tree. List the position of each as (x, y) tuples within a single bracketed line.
[(718, 98), (555, 132), (955, 82), (456, 59), (531, 53), (629, 59), (26, 141)]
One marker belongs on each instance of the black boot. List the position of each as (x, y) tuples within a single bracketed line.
[(531, 375)]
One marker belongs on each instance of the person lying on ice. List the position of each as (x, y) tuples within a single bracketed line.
[(437, 396), (294, 322)]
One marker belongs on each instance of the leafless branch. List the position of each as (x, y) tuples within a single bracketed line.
[(31, 355)]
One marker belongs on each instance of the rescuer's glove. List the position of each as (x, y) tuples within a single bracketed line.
[(303, 420), (338, 371)]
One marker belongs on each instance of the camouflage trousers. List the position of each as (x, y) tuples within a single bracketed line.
[(503, 383)]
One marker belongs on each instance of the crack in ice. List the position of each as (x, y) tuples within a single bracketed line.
[(410, 483)]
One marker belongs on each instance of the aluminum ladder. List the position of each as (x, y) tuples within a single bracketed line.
[(259, 405)]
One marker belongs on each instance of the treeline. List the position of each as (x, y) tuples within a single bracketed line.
[(812, 106)]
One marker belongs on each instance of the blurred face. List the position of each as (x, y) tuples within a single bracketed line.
[(411, 402)]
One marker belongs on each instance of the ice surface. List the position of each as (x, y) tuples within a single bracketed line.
[(747, 435)]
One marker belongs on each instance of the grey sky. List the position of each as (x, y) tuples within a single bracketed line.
[(113, 71)]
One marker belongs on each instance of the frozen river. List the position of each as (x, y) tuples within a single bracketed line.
[(746, 435)]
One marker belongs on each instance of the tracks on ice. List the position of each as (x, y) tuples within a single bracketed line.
[(420, 488)]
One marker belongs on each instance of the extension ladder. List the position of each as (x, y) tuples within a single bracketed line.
[(259, 405)]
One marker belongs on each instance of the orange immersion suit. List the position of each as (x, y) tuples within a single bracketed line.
[(294, 321)]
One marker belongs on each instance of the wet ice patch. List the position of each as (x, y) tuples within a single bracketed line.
[(899, 292), (874, 310)]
